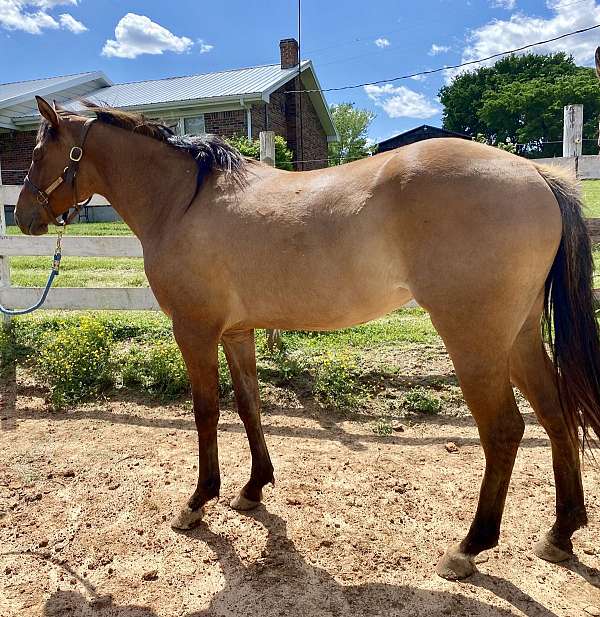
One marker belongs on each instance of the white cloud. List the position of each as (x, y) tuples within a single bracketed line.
[(70, 23), (50, 4), (382, 42), (204, 46), (401, 102), (509, 5), (521, 29), (137, 34), (438, 49), (32, 16)]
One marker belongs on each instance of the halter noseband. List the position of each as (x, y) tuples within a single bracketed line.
[(68, 176)]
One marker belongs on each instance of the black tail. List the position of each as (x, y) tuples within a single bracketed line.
[(569, 320)]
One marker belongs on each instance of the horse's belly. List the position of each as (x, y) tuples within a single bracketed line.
[(330, 308)]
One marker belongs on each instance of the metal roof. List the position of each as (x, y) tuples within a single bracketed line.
[(222, 87), (257, 80), (15, 91)]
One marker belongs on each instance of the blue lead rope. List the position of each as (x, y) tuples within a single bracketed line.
[(53, 273)]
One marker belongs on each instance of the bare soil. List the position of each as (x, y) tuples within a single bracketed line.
[(354, 525)]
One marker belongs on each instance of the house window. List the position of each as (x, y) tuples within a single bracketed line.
[(194, 125)]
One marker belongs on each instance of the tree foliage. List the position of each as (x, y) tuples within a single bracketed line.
[(251, 148), (352, 125), (521, 99)]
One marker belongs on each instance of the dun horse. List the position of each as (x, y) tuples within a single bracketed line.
[(490, 244)]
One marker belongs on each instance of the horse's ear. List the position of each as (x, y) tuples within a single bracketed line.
[(47, 111), (598, 62)]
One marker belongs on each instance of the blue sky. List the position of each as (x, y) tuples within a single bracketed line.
[(349, 42)]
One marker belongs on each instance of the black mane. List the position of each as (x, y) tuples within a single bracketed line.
[(209, 151)]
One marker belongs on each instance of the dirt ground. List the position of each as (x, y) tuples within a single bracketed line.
[(353, 527)]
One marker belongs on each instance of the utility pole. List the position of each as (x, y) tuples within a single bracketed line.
[(300, 148)]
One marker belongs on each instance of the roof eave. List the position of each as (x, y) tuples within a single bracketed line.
[(318, 97), (203, 102), (63, 85)]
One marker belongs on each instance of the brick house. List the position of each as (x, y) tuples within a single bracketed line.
[(227, 103)]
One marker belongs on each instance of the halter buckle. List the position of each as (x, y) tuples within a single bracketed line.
[(42, 198), (76, 154)]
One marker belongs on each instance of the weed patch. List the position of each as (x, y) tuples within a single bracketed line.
[(337, 380), (76, 362), (420, 400), (158, 369)]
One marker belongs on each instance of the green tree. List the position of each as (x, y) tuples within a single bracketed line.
[(352, 125), (521, 99), (507, 145), (251, 148)]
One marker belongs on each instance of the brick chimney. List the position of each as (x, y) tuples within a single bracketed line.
[(289, 53)]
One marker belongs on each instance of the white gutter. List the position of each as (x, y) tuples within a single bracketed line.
[(248, 109)]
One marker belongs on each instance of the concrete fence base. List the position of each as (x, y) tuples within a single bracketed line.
[(586, 167)]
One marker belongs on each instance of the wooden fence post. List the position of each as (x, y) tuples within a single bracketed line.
[(267, 155), (573, 131), (4, 261), (267, 147)]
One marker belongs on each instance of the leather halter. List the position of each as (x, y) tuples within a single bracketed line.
[(68, 177)]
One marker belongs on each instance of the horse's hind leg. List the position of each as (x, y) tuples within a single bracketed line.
[(240, 352), (480, 359), (533, 373)]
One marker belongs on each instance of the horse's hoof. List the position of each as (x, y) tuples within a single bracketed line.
[(544, 549), (240, 502), (187, 519), (454, 565)]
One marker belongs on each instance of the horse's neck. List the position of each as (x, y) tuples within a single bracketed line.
[(144, 180)]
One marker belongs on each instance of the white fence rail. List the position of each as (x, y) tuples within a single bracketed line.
[(76, 298)]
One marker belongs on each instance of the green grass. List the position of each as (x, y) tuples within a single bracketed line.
[(85, 229), (81, 271), (591, 198), (403, 326)]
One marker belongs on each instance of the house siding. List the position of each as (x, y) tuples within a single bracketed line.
[(16, 148), (279, 116), (226, 123)]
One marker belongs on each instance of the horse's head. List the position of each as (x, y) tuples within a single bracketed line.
[(56, 177)]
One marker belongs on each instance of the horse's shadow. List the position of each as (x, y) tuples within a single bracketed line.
[(282, 582)]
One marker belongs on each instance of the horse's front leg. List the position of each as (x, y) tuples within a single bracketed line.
[(241, 357), (199, 346)]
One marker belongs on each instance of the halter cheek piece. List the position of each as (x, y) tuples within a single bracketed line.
[(68, 177)]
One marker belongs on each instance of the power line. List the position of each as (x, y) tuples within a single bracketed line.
[(364, 38), (450, 67)]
